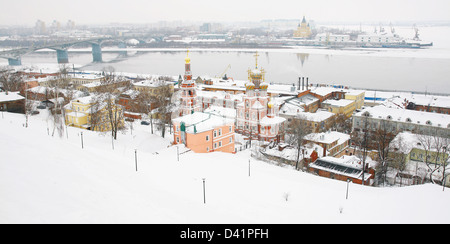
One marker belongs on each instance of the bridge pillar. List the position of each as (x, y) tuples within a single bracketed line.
[(124, 46), (62, 56), (15, 61), (97, 53)]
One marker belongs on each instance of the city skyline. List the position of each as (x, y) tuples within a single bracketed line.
[(25, 12)]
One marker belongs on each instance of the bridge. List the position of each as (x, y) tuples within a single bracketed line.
[(14, 56)]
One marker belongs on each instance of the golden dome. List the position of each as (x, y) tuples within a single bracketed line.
[(187, 59)]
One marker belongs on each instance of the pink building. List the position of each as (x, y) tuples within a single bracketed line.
[(257, 116), (203, 132)]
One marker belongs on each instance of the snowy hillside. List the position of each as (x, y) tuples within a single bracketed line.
[(45, 179)]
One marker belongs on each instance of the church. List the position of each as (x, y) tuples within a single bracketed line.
[(257, 116), (303, 30), (188, 101)]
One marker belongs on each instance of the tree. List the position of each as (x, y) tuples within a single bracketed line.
[(380, 140), (164, 100), (296, 130), (144, 102), (399, 155), (436, 150), (360, 139), (57, 86), (10, 80), (107, 95)]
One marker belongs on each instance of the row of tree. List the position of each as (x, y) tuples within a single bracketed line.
[(105, 107)]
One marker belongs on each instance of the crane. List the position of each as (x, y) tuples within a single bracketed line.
[(223, 73)]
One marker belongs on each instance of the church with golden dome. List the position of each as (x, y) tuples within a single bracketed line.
[(257, 116), (303, 30)]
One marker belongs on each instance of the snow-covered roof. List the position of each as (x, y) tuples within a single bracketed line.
[(257, 105), (11, 96), (347, 165), (222, 111), (266, 121), (405, 141), (200, 122), (338, 103), (406, 115), (318, 116), (328, 137)]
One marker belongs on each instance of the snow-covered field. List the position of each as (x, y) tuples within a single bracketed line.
[(45, 179)]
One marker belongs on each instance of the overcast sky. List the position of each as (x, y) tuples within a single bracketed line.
[(27, 12)]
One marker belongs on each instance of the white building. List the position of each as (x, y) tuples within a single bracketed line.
[(399, 120)]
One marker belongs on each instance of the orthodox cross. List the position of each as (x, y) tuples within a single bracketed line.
[(256, 58)]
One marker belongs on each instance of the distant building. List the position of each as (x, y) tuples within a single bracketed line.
[(303, 30), (328, 38)]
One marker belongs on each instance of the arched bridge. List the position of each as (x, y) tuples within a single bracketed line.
[(14, 56)]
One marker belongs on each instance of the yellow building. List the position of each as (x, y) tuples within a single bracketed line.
[(356, 95), (342, 106), (86, 114), (303, 30)]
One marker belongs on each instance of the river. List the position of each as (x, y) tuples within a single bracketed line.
[(418, 70)]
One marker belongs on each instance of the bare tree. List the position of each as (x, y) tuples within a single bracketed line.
[(380, 140), (341, 123), (296, 131), (10, 80), (164, 100), (436, 150), (96, 119), (108, 93), (57, 86), (360, 139), (399, 156), (144, 104)]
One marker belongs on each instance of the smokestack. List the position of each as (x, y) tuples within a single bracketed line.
[(307, 83), (299, 79), (303, 83)]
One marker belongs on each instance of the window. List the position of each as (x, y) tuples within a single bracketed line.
[(231, 139), (215, 145), (207, 138), (220, 132), (220, 143), (178, 140), (207, 149), (231, 128), (215, 133)]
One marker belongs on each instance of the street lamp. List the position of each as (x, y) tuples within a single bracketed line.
[(204, 194), (348, 181), (443, 182)]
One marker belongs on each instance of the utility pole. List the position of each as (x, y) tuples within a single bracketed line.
[(249, 168)]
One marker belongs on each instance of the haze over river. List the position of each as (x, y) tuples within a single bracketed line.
[(419, 70)]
